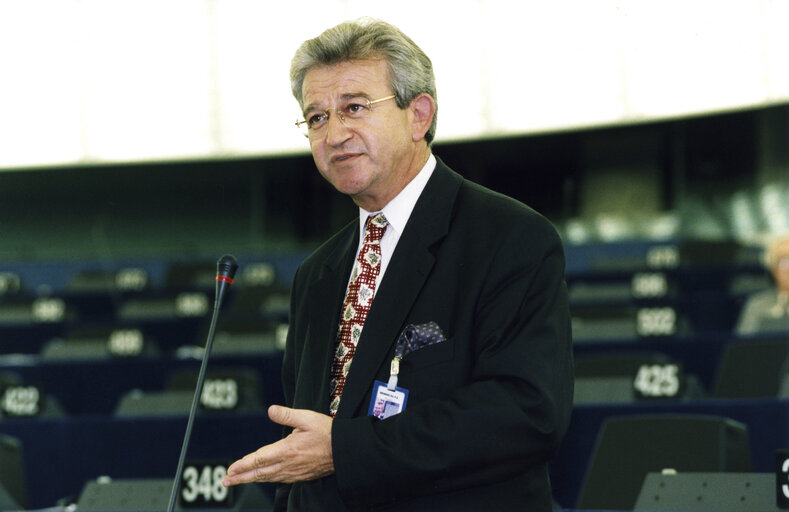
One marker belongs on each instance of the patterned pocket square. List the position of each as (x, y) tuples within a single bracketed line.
[(416, 336)]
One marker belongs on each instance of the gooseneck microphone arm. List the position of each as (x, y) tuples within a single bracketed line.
[(225, 271)]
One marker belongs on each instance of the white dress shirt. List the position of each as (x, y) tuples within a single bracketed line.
[(397, 212)]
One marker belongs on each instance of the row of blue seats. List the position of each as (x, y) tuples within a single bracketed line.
[(654, 370), (592, 259), (61, 455), (173, 319), (96, 387), (90, 441), (142, 274)]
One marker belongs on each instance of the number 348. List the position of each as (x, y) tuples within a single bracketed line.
[(204, 484)]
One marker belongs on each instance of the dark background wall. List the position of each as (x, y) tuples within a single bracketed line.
[(277, 204)]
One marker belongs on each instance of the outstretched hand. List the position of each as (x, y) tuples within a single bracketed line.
[(305, 454)]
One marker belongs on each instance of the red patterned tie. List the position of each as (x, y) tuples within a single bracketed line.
[(358, 300)]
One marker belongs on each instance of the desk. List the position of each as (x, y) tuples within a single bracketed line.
[(61, 455), (767, 421)]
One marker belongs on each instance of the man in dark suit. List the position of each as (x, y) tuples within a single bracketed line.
[(448, 383)]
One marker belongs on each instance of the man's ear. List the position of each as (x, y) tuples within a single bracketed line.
[(423, 108)]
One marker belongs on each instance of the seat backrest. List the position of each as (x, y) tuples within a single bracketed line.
[(751, 369), (620, 364), (707, 492), (154, 403), (244, 395), (12, 470), (783, 392), (617, 377), (6, 501), (629, 447)]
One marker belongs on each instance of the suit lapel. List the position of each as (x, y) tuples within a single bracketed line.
[(406, 274), (325, 301)]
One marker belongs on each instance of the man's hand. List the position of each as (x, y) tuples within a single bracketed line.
[(305, 454)]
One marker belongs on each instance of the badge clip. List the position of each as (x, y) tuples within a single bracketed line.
[(394, 371)]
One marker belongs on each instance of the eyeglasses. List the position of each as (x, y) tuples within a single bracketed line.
[(352, 112)]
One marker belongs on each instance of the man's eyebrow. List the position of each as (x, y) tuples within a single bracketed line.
[(344, 97), (309, 108), (349, 96)]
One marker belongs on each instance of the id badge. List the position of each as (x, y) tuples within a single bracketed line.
[(387, 402)]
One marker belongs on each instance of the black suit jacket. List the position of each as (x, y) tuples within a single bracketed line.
[(487, 407)]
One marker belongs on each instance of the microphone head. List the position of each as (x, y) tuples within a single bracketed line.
[(226, 268), (225, 271)]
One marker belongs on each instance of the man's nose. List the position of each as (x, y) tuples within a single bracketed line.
[(337, 131)]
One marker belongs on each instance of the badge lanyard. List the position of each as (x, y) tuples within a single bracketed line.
[(394, 367)]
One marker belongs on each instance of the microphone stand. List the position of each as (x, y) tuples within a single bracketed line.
[(226, 269)]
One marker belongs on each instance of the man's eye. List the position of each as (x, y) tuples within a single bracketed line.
[(355, 108), (316, 119)]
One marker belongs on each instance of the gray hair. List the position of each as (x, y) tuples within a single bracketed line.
[(410, 70)]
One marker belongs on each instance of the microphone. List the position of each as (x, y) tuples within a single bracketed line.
[(225, 272)]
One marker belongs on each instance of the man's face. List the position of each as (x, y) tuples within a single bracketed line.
[(780, 268), (369, 160)]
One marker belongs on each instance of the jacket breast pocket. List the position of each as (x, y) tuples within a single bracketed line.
[(428, 356), (435, 371)]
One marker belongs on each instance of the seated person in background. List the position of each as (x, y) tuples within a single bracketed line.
[(768, 310)]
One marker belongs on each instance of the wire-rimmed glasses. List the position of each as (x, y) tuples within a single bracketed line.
[(352, 111)]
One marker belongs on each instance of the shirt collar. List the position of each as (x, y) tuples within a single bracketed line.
[(398, 210)]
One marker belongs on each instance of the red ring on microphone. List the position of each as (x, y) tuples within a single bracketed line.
[(228, 280)]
